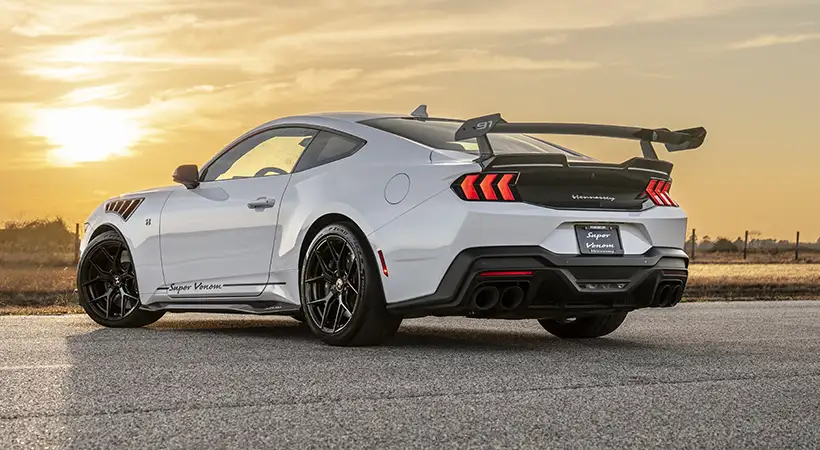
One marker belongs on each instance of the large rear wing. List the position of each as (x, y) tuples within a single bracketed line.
[(674, 141)]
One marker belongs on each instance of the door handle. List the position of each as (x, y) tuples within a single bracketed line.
[(262, 202)]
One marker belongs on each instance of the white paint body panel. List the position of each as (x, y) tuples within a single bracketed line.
[(209, 235), (420, 246)]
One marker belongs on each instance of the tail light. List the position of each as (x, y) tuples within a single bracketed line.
[(658, 192), (495, 186)]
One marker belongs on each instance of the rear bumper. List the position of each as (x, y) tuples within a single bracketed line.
[(554, 285)]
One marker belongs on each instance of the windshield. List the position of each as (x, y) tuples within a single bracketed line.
[(440, 134)]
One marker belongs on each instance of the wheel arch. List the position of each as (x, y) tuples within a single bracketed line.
[(322, 222), (102, 228), (331, 218)]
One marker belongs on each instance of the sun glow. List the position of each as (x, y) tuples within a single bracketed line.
[(86, 134)]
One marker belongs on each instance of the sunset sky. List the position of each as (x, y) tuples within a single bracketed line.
[(102, 97)]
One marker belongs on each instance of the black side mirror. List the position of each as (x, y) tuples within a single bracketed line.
[(187, 175)]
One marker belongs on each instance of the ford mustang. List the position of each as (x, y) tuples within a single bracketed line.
[(351, 222)]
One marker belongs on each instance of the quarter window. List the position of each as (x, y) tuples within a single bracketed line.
[(327, 147), (269, 153)]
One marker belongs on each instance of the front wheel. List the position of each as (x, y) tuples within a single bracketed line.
[(342, 297), (584, 327), (107, 283)]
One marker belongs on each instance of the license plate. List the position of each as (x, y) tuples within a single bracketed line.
[(599, 239)]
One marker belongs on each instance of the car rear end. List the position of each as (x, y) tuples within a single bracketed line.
[(541, 233)]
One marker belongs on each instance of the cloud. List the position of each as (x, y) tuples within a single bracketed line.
[(553, 40), (769, 40), (478, 62), (214, 64), (95, 93)]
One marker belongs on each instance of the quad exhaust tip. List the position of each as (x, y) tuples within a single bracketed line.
[(511, 298), (669, 294), (677, 295), (485, 298), (665, 296)]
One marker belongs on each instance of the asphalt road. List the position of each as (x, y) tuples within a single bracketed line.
[(729, 375)]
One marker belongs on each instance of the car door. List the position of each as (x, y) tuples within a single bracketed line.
[(217, 239)]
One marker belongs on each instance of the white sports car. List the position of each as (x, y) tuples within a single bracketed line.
[(353, 221)]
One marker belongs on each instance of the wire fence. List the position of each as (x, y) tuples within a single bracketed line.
[(751, 247)]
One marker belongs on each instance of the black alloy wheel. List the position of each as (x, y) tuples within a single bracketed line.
[(333, 281), (341, 291), (107, 284)]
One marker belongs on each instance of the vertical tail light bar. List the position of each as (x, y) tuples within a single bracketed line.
[(496, 186), (658, 192)]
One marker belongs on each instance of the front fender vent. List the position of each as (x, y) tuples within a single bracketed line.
[(124, 208)]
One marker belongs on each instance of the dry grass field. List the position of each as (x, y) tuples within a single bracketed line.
[(753, 281), (33, 287), (37, 272)]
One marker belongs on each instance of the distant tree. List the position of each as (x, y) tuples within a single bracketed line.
[(36, 232), (724, 245)]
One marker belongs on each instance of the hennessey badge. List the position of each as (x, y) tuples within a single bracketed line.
[(593, 197)]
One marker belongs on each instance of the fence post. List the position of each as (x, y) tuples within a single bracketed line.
[(76, 243), (693, 244), (745, 244), (797, 247)]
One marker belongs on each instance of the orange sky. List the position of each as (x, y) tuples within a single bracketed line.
[(100, 98)]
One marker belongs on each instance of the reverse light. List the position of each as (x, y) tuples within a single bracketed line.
[(496, 186), (658, 192)]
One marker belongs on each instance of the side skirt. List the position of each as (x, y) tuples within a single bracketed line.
[(233, 307), (271, 301)]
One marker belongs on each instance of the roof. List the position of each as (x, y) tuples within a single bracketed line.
[(360, 116), (348, 117), (356, 116)]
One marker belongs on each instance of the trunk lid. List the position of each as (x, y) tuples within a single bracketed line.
[(552, 181)]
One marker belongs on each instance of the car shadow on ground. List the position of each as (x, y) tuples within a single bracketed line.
[(413, 334)]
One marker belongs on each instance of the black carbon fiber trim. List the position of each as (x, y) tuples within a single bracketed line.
[(124, 208)]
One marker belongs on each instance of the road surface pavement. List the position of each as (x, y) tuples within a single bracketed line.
[(708, 375)]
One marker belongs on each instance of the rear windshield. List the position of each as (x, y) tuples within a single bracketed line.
[(440, 134)]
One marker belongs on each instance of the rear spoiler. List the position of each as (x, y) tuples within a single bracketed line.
[(479, 127)]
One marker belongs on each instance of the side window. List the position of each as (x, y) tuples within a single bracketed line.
[(327, 147), (272, 152)]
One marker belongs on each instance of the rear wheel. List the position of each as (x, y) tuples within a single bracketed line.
[(342, 297), (107, 284), (584, 327)]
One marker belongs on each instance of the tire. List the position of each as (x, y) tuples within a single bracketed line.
[(299, 316), (341, 292), (584, 327), (106, 267)]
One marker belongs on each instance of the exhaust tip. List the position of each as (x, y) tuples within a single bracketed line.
[(511, 298), (484, 298), (677, 295), (665, 296)]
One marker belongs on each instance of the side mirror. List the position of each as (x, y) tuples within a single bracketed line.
[(187, 175)]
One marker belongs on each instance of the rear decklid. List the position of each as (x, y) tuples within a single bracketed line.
[(553, 181)]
